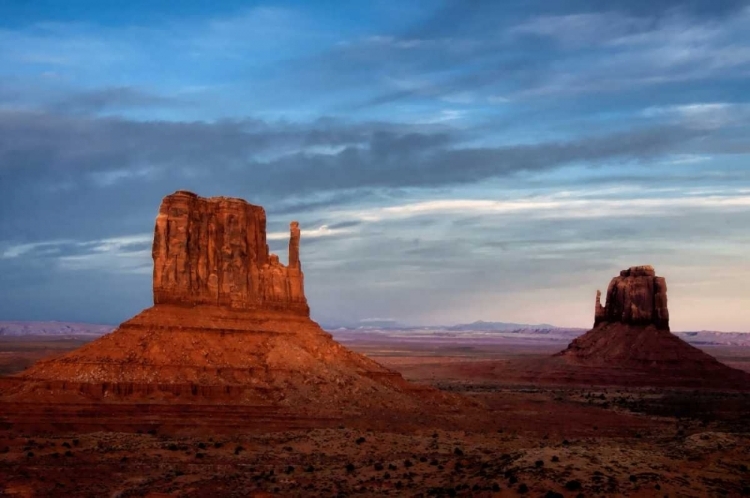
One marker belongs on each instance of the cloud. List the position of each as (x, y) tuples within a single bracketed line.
[(313, 233), (125, 254), (272, 157), (114, 98), (446, 163), (567, 206)]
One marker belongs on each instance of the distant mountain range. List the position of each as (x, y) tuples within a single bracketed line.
[(501, 326), (383, 324), (386, 330), (53, 328)]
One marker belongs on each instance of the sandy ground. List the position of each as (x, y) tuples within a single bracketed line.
[(541, 441)]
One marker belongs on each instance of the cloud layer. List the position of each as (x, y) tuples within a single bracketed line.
[(447, 163)]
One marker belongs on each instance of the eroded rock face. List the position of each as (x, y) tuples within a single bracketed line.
[(636, 297), (214, 251)]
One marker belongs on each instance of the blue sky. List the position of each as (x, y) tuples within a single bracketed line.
[(448, 161)]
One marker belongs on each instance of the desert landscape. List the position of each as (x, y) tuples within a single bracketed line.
[(227, 387), (427, 248)]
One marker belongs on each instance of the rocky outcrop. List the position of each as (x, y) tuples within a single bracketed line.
[(631, 344), (214, 251), (636, 297), (230, 323)]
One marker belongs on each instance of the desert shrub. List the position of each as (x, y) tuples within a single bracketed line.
[(360, 440), (553, 494), (238, 450), (522, 488), (289, 469), (309, 468), (378, 466), (199, 455), (573, 485), (458, 452), (407, 463), (202, 446), (350, 467), (539, 464), (555, 458)]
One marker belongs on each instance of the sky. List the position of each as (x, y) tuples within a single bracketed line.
[(448, 161)]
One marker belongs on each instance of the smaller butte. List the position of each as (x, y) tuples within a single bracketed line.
[(631, 343)]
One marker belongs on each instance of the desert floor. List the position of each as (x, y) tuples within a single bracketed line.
[(544, 440)]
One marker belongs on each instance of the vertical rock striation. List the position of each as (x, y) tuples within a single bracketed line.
[(636, 297), (213, 251)]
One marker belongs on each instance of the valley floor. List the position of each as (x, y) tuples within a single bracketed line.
[(539, 441)]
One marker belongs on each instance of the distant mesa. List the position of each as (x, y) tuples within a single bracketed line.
[(230, 323), (631, 341), (636, 297)]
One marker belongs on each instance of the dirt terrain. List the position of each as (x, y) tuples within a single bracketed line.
[(536, 441)]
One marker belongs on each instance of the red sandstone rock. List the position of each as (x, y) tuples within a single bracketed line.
[(230, 323), (214, 251), (631, 341), (636, 297)]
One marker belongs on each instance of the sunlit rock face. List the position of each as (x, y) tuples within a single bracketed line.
[(229, 324), (214, 251), (636, 297)]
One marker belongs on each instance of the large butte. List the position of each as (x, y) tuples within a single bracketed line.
[(230, 323)]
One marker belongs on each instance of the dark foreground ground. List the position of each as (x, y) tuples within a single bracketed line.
[(544, 440)]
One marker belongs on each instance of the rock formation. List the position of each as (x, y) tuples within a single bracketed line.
[(636, 297), (230, 323), (631, 341), (214, 251)]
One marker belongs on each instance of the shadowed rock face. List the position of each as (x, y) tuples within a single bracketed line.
[(631, 344), (214, 251), (636, 297)]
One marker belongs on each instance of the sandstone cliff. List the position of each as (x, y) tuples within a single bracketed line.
[(230, 323), (636, 297), (214, 251)]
